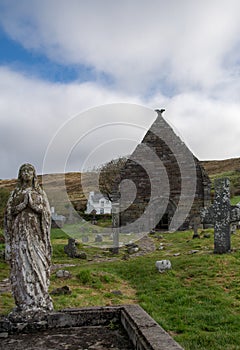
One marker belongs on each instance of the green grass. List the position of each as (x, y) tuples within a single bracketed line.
[(57, 233), (235, 200), (197, 302), (234, 177), (4, 270)]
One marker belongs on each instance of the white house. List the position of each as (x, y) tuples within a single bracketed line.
[(57, 220), (96, 201)]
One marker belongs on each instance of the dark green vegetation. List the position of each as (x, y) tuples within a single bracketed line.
[(235, 200), (234, 177), (197, 302), (225, 168), (4, 194)]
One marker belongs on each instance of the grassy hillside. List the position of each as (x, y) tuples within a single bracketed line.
[(214, 167), (197, 301), (79, 185), (225, 168)]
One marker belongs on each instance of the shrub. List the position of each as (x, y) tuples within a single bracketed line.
[(4, 194), (85, 277)]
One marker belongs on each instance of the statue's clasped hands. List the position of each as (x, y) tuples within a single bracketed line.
[(28, 202), (26, 198)]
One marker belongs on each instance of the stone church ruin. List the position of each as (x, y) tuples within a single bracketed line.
[(162, 185)]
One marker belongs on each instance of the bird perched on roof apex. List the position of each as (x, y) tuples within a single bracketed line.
[(160, 110)]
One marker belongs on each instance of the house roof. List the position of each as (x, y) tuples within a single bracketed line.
[(97, 197), (57, 217)]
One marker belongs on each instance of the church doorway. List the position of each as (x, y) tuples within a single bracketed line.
[(163, 223)]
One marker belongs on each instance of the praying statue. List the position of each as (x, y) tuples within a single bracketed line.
[(28, 247)]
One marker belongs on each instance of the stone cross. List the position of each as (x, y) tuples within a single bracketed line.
[(115, 227), (221, 214)]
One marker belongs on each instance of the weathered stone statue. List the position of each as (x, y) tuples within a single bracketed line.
[(28, 247)]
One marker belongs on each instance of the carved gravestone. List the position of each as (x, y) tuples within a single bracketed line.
[(221, 214), (70, 249)]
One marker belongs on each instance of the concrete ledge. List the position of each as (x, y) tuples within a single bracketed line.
[(142, 330)]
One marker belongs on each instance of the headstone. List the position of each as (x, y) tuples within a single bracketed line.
[(94, 221), (221, 214), (193, 251), (28, 247), (163, 265), (238, 222), (196, 222), (63, 274), (98, 238), (65, 290), (82, 255), (85, 239), (206, 235), (71, 250), (132, 248), (115, 227), (116, 292)]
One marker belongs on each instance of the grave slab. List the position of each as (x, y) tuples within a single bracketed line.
[(125, 327)]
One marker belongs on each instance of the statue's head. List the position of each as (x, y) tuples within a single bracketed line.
[(27, 173)]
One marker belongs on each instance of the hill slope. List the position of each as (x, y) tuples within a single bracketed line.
[(214, 167), (225, 168), (79, 185)]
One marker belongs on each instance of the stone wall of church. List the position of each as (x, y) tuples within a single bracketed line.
[(162, 169)]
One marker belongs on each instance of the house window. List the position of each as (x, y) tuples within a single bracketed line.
[(101, 210), (102, 203)]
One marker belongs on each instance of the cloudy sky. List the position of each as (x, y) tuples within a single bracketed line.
[(63, 62)]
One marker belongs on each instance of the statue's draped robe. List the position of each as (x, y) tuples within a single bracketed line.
[(28, 248)]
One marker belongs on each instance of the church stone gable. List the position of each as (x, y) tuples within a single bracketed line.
[(169, 182)]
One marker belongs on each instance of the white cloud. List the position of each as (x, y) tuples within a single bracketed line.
[(31, 111), (182, 55), (209, 126), (139, 43)]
